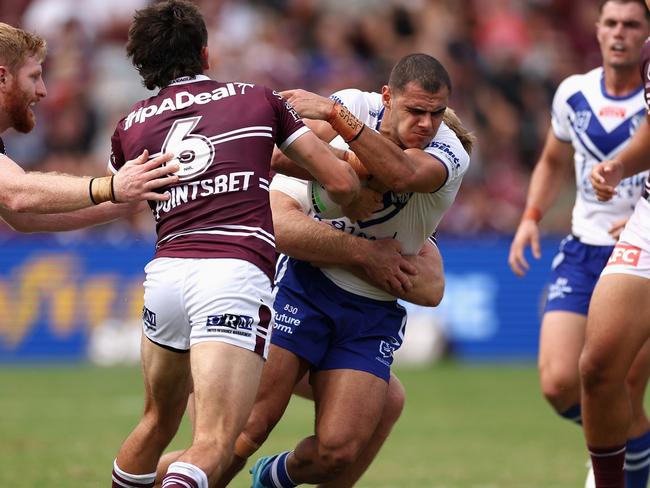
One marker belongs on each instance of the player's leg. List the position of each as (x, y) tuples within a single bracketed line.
[(637, 453), (618, 326), (167, 382), (225, 382), (348, 406), (282, 371), (390, 414), (561, 340)]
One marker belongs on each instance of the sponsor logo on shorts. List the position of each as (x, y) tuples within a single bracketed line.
[(559, 289), (230, 324), (285, 322), (624, 255), (149, 318), (387, 349)]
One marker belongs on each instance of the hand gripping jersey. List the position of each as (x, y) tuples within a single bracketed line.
[(223, 135), (409, 218), (598, 126)]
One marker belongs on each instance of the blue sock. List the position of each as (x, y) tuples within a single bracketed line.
[(276, 475), (574, 414), (637, 461)]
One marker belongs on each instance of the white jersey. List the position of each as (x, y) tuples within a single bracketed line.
[(409, 218), (598, 126)]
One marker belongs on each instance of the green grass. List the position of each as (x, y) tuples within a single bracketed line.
[(463, 427)]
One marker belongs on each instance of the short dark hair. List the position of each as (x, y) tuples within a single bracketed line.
[(423, 69), (165, 42), (602, 3)]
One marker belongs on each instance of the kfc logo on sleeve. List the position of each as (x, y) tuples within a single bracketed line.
[(624, 255)]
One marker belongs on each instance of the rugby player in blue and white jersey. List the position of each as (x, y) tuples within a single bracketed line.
[(593, 118), (330, 320)]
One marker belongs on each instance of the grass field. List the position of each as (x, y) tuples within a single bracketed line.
[(463, 427)]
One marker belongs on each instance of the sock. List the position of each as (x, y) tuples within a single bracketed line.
[(184, 475), (573, 413), (122, 479), (637, 461), (608, 466), (275, 475)]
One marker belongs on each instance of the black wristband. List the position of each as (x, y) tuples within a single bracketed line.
[(357, 136), (90, 191), (113, 199)]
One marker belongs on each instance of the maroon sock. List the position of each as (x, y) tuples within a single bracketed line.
[(178, 480), (608, 466)]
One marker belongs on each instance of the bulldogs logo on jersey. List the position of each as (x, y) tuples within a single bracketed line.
[(582, 119)]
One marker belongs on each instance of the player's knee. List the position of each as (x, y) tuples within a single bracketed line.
[(336, 455), (594, 370), (560, 389), (395, 399), (159, 430)]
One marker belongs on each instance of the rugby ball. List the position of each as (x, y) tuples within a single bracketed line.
[(321, 202)]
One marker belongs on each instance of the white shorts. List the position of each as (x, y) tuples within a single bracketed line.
[(187, 301), (631, 255)]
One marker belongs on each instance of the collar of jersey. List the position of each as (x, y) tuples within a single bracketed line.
[(184, 80), (613, 97)]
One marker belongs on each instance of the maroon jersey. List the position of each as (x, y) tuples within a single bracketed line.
[(645, 70), (223, 135)]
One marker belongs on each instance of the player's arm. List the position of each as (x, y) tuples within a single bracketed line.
[(338, 177), (545, 184), (634, 159), (21, 191), (410, 170), (76, 219), (281, 163), (378, 261)]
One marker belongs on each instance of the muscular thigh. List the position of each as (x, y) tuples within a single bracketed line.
[(348, 405), (561, 339), (619, 318)]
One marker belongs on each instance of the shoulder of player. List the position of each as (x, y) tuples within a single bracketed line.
[(579, 82), (447, 145)]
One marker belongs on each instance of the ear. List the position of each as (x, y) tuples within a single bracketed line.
[(4, 73), (386, 96), (205, 58)]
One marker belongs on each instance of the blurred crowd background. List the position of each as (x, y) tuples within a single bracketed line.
[(505, 57)]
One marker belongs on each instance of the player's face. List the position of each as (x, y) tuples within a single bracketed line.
[(25, 88), (621, 30), (413, 115)]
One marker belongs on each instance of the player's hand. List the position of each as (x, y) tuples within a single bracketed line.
[(604, 178), (362, 207), (617, 227), (527, 234), (138, 178), (386, 267), (308, 104)]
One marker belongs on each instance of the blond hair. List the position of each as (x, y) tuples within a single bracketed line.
[(16, 45), (467, 138)]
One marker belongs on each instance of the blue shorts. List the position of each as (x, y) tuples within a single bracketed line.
[(330, 327), (576, 269)]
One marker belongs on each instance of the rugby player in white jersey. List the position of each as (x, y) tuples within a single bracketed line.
[(594, 115), (207, 297), (21, 87), (329, 319), (618, 325)]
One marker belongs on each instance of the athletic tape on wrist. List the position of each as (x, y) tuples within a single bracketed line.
[(345, 123)]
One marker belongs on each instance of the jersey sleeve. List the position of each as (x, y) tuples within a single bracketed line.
[(560, 110), (116, 159), (353, 99), (290, 125), (292, 187), (645, 71), (447, 148)]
